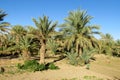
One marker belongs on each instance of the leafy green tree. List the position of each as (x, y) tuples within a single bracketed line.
[(43, 32)]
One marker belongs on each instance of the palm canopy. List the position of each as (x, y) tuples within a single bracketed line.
[(44, 26), (17, 32), (77, 22), (3, 25), (2, 15), (79, 32), (106, 37)]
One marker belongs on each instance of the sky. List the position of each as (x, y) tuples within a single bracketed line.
[(105, 13)]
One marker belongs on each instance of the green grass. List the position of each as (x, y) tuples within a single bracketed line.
[(91, 78)]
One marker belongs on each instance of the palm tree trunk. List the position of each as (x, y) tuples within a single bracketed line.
[(26, 55), (42, 52), (80, 51), (17, 39)]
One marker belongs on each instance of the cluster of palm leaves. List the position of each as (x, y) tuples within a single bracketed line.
[(109, 46), (74, 35)]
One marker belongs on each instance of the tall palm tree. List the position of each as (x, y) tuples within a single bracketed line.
[(79, 32), (44, 30)]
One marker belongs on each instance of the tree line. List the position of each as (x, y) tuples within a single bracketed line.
[(74, 39)]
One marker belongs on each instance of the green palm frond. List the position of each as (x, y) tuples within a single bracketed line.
[(24, 43), (3, 25), (18, 30), (52, 46), (87, 54), (44, 26)]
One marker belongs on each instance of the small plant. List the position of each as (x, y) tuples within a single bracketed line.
[(86, 56), (91, 78), (88, 66), (72, 57), (52, 66)]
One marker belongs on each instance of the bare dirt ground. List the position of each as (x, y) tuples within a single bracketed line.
[(104, 68)]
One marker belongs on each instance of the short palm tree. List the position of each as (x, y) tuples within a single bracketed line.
[(24, 46), (43, 32)]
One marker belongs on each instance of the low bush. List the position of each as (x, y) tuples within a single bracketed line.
[(53, 66), (84, 58), (72, 57), (33, 65)]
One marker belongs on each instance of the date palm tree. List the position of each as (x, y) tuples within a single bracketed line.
[(78, 33), (43, 32), (24, 45), (107, 44)]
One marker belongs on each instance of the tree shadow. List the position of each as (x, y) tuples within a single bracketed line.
[(9, 56), (114, 78), (59, 59)]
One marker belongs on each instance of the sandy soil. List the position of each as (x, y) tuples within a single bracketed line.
[(103, 68)]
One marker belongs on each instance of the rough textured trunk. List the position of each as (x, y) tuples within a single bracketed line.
[(42, 52), (17, 39), (78, 50), (26, 55)]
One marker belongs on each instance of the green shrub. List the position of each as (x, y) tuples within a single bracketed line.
[(52, 66), (75, 59), (72, 57), (33, 65), (87, 55)]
